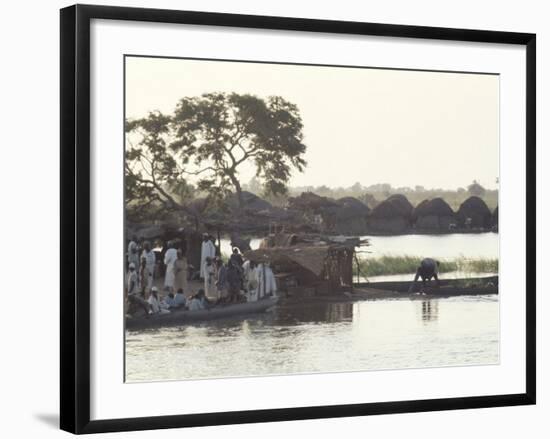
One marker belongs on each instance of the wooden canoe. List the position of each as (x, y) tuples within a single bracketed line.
[(182, 317), (447, 287)]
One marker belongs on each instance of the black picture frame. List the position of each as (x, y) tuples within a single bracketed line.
[(75, 217)]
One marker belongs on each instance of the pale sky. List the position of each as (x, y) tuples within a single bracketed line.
[(370, 126)]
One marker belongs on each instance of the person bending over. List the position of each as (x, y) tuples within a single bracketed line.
[(427, 269)]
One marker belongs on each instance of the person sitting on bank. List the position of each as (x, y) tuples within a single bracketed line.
[(199, 301), (428, 268), (170, 301), (179, 298), (156, 307)]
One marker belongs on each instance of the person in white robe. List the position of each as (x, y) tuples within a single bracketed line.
[(148, 257), (133, 252), (267, 284), (209, 277), (156, 306), (208, 250), (170, 258), (135, 302), (250, 280), (132, 280)]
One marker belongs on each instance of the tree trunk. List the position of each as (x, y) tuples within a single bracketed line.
[(238, 190)]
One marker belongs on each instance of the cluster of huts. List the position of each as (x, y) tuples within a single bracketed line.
[(395, 215), (312, 213), (304, 242)]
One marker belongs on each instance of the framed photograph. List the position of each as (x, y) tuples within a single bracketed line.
[(272, 218)]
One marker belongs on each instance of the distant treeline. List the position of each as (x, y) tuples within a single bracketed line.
[(374, 194)]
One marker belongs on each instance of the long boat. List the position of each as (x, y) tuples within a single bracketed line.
[(447, 287), (182, 317)]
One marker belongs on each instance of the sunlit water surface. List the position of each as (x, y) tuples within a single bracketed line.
[(323, 337), (454, 245)]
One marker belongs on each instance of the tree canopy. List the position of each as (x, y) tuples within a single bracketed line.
[(476, 189), (206, 141)]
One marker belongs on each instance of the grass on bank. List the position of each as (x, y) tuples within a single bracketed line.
[(387, 265)]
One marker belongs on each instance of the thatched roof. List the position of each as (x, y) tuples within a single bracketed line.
[(435, 207), (402, 201), (310, 257), (250, 201), (310, 201), (474, 206), (350, 206), (475, 209), (255, 214), (395, 206)]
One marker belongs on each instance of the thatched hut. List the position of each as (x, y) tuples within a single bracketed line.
[(393, 215), (349, 217), (345, 216), (310, 208), (403, 203), (433, 215), (308, 201), (325, 268), (474, 213), (250, 202), (254, 216)]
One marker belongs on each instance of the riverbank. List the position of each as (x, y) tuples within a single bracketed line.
[(389, 265)]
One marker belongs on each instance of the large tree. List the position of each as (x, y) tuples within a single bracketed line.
[(208, 140), (155, 181), (222, 132)]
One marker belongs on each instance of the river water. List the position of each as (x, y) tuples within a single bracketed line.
[(470, 245), (323, 337), (334, 337)]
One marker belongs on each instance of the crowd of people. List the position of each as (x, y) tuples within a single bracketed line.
[(236, 280)]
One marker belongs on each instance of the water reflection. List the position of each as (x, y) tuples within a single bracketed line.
[(430, 310), (322, 337), (314, 312)]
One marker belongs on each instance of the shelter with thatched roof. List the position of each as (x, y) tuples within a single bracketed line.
[(345, 216), (308, 201), (254, 216), (348, 217), (393, 215), (308, 208), (495, 218), (250, 202), (327, 268), (474, 213), (433, 215)]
